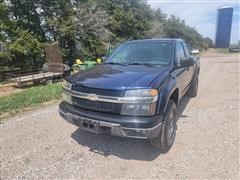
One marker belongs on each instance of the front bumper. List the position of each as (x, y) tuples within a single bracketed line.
[(117, 125)]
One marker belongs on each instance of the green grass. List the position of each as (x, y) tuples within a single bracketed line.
[(30, 97)]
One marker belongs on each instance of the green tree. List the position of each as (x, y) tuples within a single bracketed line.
[(24, 52), (157, 24), (129, 20), (176, 28), (21, 48), (91, 34), (27, 17), (58, 23), (209, 42), (82, 28)]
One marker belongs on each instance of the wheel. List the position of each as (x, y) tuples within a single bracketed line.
[(49, 81), (76, 69), (166, 137), (193, 89)]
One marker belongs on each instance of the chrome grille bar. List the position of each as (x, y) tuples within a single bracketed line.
[(112, 99)]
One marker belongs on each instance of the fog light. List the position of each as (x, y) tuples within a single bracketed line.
[(144, 107), (131, 107)]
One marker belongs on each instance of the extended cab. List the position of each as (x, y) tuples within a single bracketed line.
[(135, 93)]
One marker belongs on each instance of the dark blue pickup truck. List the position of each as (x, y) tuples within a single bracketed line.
[(135, 93)]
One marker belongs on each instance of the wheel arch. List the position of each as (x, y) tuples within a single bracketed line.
[(174, 95)]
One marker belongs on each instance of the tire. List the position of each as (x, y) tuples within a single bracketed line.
[(76, 69), (193, 89), (166, 137), (49, 81)]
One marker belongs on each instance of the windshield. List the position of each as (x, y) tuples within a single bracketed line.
[(148, 52)]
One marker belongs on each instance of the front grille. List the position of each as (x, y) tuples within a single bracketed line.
[(103, 92), (114, 108)]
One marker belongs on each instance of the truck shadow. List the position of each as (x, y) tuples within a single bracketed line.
[(182, 106), (124, 148)]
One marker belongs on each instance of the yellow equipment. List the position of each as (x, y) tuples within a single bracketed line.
[(99, 60), (78, 61)]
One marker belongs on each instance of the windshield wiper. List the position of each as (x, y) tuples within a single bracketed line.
[(142, 64), (121, 64)]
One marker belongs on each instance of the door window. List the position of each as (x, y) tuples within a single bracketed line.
[(179, 52), (186, 49)]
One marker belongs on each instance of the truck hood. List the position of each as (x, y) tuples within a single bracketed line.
[(117, 77)]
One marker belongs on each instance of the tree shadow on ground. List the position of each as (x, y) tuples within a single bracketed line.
[(124, 148)]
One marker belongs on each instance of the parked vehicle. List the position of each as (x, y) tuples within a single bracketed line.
[(234, 49), (34, 76), (135, 93), (38, 75), (80, 66), (195, 53), (53, 69)]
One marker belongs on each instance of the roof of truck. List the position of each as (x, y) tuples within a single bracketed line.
[(156, 39)]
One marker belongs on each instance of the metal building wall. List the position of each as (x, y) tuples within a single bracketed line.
[(224, 26)]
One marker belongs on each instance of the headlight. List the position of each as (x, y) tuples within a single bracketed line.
[(66, 85), (146, 107), (138, 109), (66, 96)]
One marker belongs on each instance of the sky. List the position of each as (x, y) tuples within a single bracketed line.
[(201, 14)]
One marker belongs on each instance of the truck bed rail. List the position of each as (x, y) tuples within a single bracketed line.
[(32, 76)]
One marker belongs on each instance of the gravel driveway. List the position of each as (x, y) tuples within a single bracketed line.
[(40, 145)]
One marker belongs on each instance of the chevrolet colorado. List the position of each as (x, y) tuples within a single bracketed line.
[(135, 93)]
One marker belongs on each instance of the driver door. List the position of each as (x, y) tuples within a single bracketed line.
[(183, 72)]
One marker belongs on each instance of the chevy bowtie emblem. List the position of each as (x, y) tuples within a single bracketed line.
[(93, 97)]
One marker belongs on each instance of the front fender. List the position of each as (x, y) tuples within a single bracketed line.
[(165, 94)]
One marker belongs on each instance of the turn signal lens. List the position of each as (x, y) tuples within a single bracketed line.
[(153, 92), (141, 93)]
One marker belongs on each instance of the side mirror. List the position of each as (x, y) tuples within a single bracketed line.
[(186, 62), (104, 58), (195, 52)]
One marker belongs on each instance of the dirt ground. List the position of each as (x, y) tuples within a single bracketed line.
[(11, 88), (8, 89), (40, 145)]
